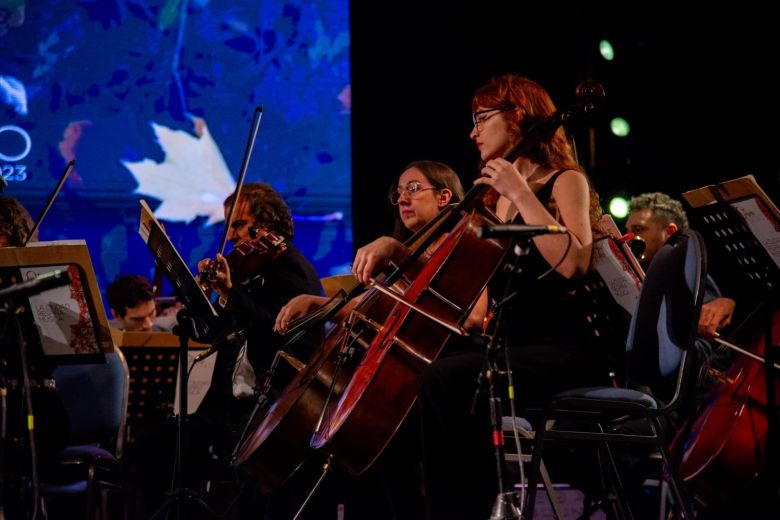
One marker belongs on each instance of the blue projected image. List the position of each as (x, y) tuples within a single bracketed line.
[(155, 99)]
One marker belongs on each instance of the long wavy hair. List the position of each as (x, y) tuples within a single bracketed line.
[(268, 208), (528, 103)]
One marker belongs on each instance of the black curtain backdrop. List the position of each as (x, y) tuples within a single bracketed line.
[(698, 96)]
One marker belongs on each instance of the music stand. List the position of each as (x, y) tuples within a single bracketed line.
[(742, 226), (198, 320), (57, 326)]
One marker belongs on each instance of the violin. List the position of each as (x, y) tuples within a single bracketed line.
[(247, 257)]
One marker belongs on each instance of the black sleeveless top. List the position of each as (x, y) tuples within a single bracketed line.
[(544, 309)]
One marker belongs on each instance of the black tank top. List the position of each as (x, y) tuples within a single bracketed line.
[(544, 309)]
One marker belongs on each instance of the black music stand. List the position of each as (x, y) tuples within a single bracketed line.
[(63, 326), (198, 320), (740, 225), (506, 505), (12, 299)]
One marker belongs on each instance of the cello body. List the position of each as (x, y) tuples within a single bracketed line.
[(383, 387), (279, 444), (726, 449)]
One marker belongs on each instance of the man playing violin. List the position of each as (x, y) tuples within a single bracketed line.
[(252, 298), (249, 299)]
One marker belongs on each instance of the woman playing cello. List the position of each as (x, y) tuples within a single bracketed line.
[(391, 489), (423, 189), (544, 331)]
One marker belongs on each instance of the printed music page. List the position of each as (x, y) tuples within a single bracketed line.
[(198, 383)]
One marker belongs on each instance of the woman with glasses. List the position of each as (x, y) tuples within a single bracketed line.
[(391, 488), (423, 189), (542, 326)]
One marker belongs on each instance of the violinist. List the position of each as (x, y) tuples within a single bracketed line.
[(15, 223), (543, 328), (248, 302)]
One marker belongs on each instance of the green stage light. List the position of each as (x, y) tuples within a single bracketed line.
[(618, 207), (619, 126), (606, 50)]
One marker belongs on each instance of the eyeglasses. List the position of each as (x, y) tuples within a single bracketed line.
[(408, 190), (479, 118)]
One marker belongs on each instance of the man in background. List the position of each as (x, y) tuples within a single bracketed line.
[(131, 299), (655, 217)]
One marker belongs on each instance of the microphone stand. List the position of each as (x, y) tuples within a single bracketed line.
[(506, 505), (179, 493)]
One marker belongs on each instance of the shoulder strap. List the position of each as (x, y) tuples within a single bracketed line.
[(545, 192)]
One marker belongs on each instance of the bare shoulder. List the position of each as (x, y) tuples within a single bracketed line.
[(570, 183)]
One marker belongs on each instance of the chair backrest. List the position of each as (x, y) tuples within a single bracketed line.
[(607, 295), (663, 326), (95, 399)]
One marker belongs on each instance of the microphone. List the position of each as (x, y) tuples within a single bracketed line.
[(230, 337), (512, 230), (42, 283)]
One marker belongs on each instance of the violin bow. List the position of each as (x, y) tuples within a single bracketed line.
[(53, 195), (250, 145)]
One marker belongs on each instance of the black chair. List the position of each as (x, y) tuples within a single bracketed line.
[(88, 469), (661, 336), (519, 430)]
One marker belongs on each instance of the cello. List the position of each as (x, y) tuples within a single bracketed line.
[(421, 312), (384, 386), (280, 444), (726, 450)]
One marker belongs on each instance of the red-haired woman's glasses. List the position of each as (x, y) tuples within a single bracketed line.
[(479, 118), (409, 190)]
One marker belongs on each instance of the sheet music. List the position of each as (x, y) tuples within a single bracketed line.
[(198, 383), (69, 321), (616, 273), (622, 274), (761, 225), (61, 314)]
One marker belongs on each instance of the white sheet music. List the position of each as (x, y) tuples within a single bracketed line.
[(616, 273), (198, 384), (761, 225), (61, 315)]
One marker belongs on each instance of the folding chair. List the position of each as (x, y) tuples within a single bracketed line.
[(662, 332)]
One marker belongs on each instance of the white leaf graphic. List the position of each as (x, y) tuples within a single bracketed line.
[(191, 181)]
